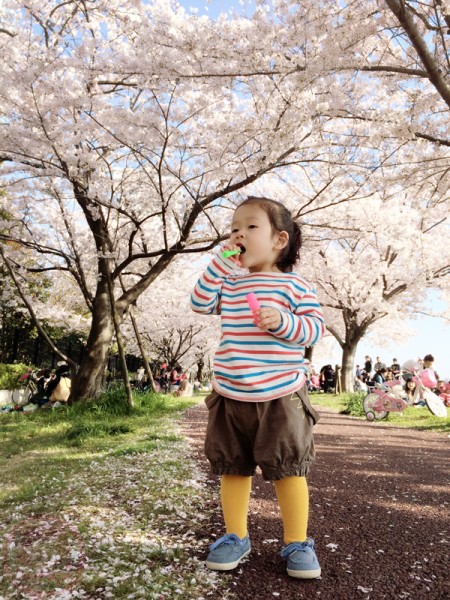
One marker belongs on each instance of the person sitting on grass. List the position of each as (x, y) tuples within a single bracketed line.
[(380, 376), (443, 391), (411, 391), (428, 375), (58, 390)]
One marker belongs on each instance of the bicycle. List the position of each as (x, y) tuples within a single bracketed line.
[(22, 395), (389, 397)]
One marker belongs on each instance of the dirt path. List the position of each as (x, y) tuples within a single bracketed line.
[(380, 515)]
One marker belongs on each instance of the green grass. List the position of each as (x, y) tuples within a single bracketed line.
[(101, 501), (413, 417), (336, 402), (420, 418)]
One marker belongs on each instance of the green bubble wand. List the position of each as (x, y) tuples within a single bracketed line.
[(228, 253)]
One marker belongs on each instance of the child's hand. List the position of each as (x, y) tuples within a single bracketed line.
[(267, 318)]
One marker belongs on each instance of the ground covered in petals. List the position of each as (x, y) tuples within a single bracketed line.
[(105, 503), (114, 519), (379, 513)]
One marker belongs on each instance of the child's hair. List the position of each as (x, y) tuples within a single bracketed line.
[(409, 380), (428, 358), (281, 220)]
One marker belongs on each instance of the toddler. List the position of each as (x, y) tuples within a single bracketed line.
[(259, 411)]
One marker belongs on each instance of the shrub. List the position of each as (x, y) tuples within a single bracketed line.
[(10, 376), (113, 402), (353, 403)]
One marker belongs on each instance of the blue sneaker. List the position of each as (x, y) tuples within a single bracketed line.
[(227, 552), (301, 560)]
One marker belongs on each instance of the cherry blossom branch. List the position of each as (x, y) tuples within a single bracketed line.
[(401, 10)]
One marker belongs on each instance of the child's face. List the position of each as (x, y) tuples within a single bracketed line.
[(252, 231)]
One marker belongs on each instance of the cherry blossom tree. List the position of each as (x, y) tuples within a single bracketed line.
[(380, 264), (120, 138), (130, 128)]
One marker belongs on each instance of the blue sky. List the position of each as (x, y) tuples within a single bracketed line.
[(214, 7), (433, 337)]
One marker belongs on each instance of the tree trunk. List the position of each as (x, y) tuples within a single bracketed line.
[(91, 372), (309, 353), (119, 339), (348, 360), (147, 368), (90, 376), (354, 332)]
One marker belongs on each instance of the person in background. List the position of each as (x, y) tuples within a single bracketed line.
[(42, 378), (428, 362), (140, 377), (315, 382), (395, 368), (175, 380), (443, 391), (379, 364), (389, 376), (367, 366), (185, 388), (428, 375), (327, 378), (380, 376), (411, 391), (359, 385), (58, 389)]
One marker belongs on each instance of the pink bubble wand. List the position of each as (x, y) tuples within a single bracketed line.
[(253, 303)]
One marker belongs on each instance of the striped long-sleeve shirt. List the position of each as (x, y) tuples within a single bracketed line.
[(251, 364)]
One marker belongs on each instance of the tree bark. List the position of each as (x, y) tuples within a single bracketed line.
[(348, 360), (116, 321), (147, 368), (353, 335), (309, 353), (91, 373)]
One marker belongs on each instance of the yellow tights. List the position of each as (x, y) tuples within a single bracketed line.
[(235, 496), (292, 494), (293, 498)]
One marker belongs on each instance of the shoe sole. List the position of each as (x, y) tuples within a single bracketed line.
[(226, 566), (311, 574)]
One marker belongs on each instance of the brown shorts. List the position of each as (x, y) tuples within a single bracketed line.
[(275, 435)]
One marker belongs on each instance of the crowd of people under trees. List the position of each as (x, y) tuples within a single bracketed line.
[(370, 374), (49, 388), (52, 388), (174, 381)]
